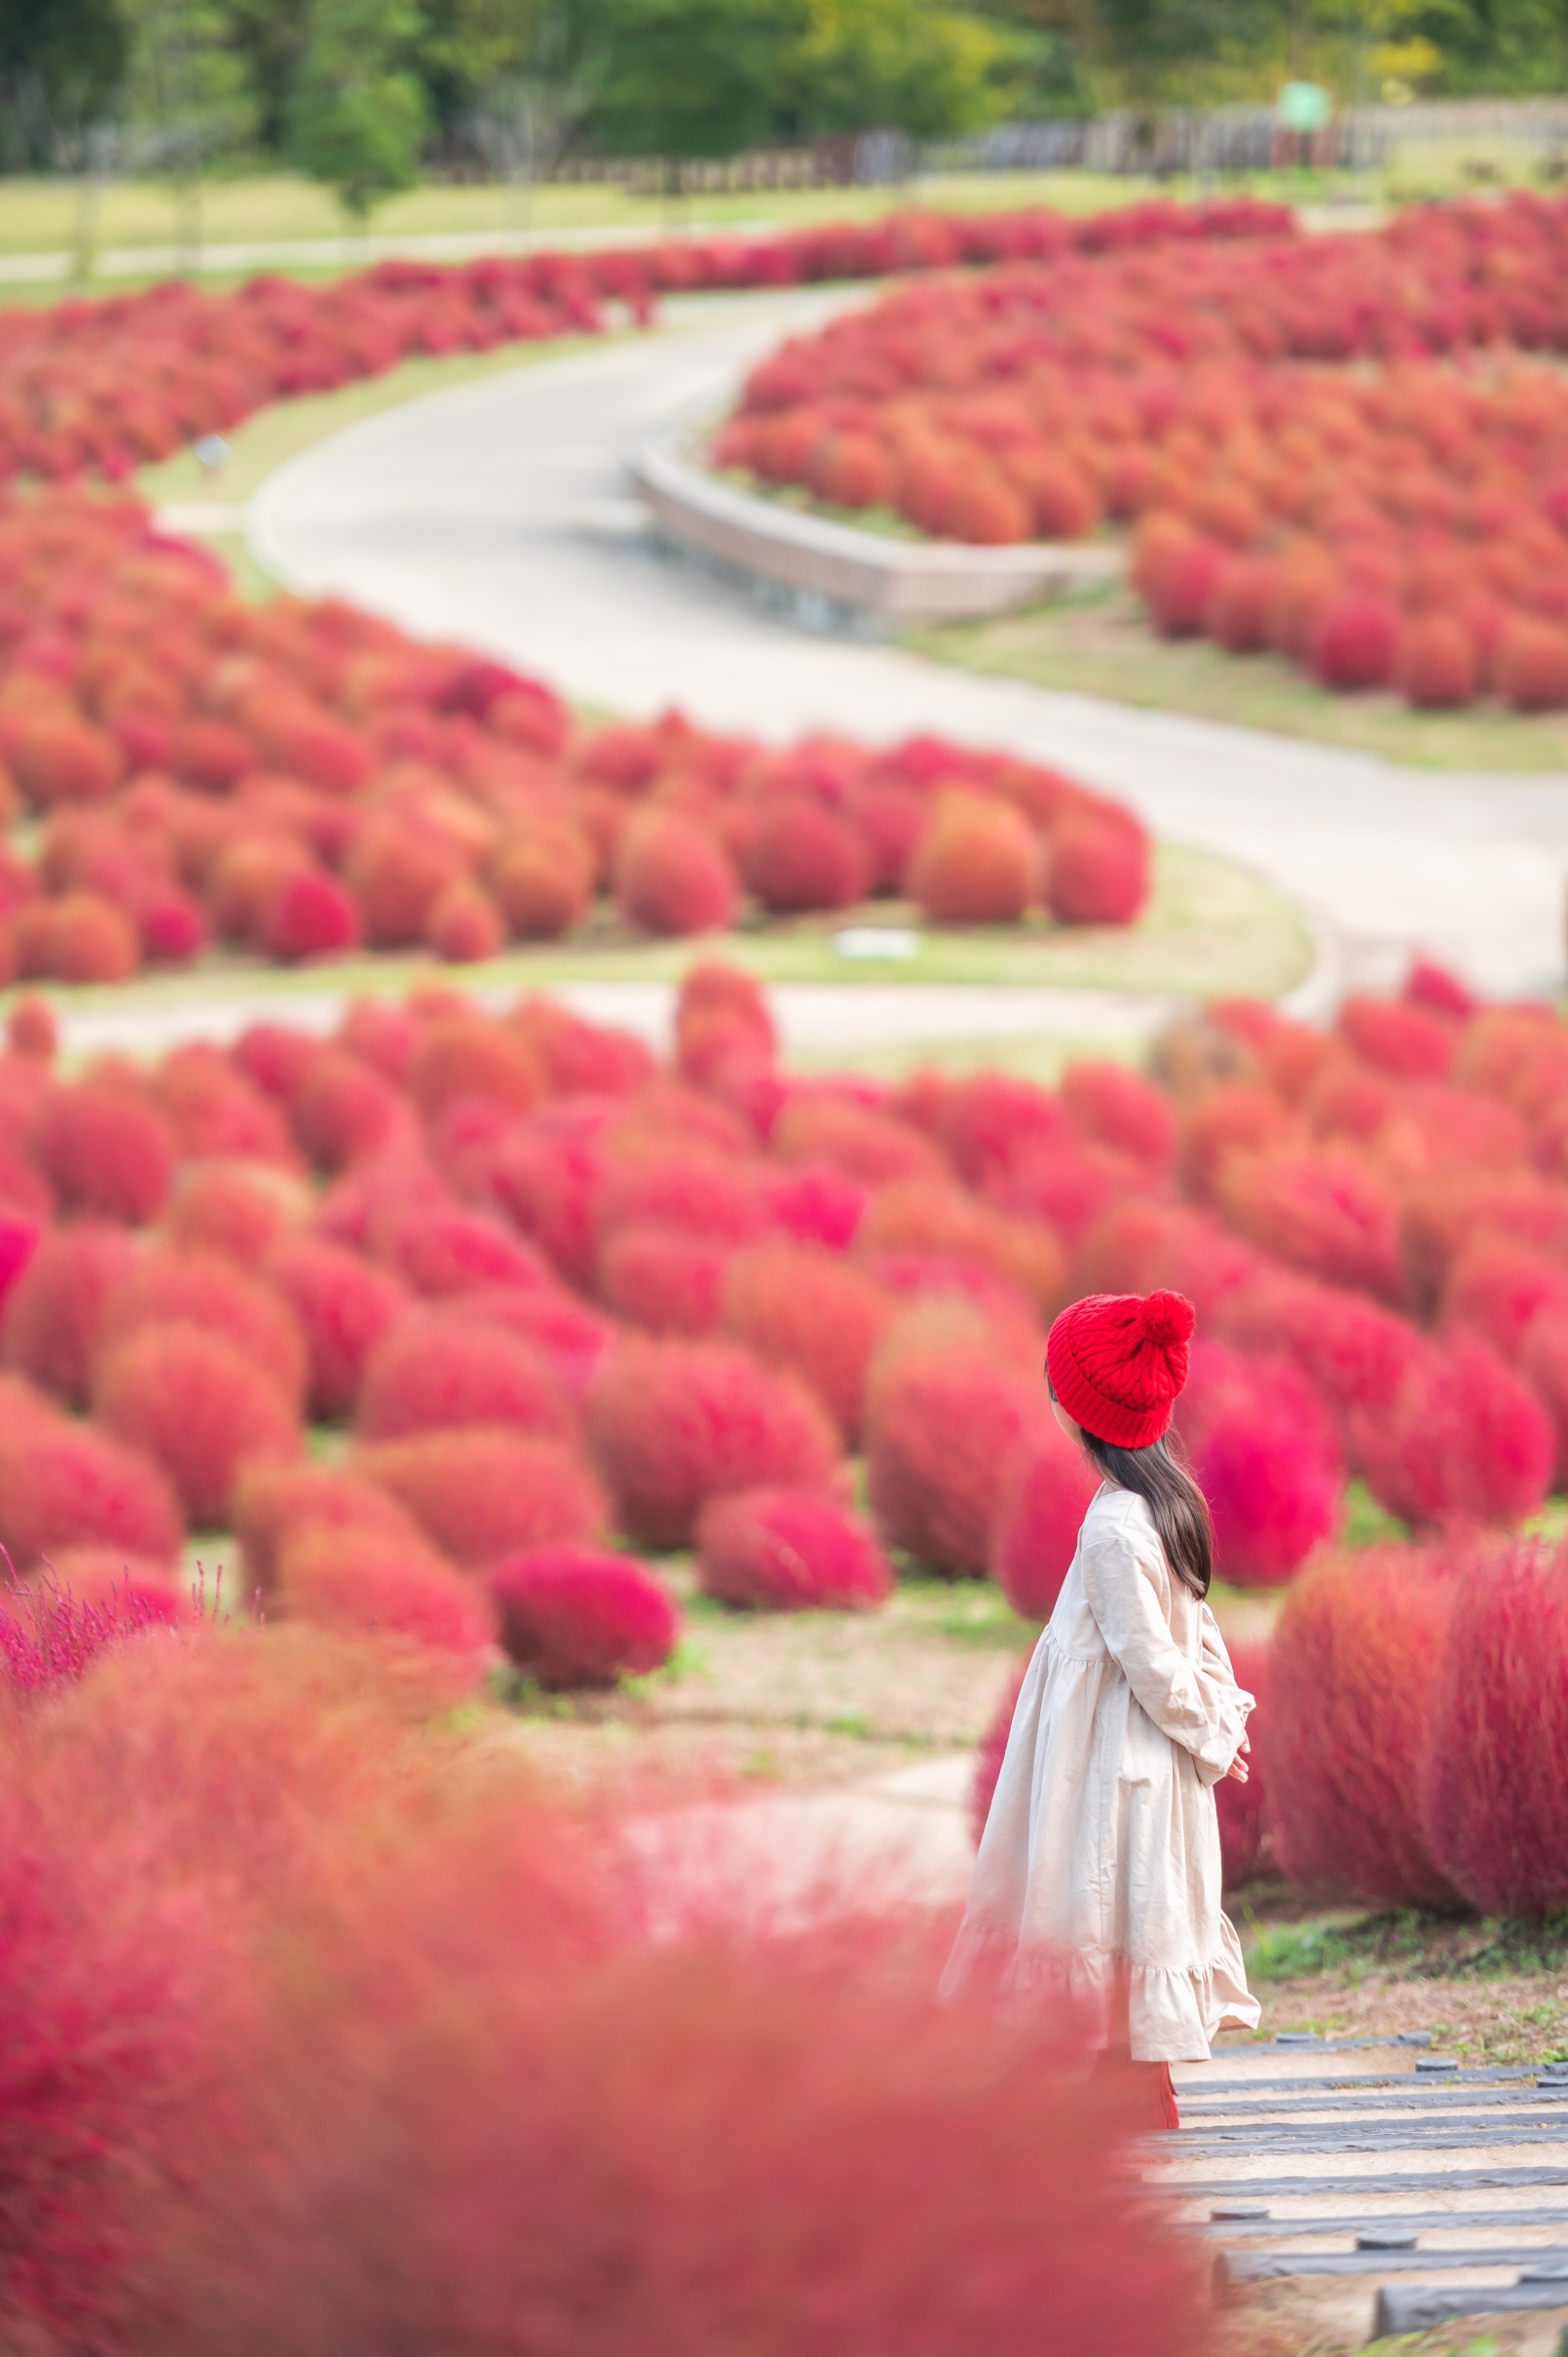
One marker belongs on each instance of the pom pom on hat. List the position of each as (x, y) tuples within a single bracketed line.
[(1117, 1362), (1167, 1318)]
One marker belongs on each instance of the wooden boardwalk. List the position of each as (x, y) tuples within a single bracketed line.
[(1379, 2174)]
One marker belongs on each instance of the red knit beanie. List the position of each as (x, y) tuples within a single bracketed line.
[(1117, 1361)]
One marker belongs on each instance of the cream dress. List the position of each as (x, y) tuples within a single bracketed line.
[(1099, 1861)]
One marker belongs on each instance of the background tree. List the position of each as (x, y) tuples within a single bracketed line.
[(683, 79), (61, 65), (934, 73), (359, 116), (188, 91)]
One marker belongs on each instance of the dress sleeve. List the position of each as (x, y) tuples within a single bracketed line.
[(1197, 1705)]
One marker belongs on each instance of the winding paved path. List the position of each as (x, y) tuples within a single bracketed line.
[(498, 514)]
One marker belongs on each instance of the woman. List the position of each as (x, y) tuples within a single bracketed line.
[(1099, 1867)]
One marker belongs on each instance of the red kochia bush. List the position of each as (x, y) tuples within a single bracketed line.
[(801, 856), (1040, 1514), (1354, 1665), (579, 1616), (274, 1501), (674, 1424), (1121, 1109), (803, 1308), (663, 1279), (344, 1110), (1097, 868), (236, 1206), (152, 1589), (198, 1287), (442, 1248), (1266, 1458), (344, 1305), (373, 1581), (64, 1484), (1463, 1440), (1496, 1784), (789, 1549), (1499, 1290), (797, 2146), (944, 1422), (1355, 641), (673, 876), (106, 1152), (50, 1327), (199, 1407), (481, 1492), (977, 863), (437, 1368)]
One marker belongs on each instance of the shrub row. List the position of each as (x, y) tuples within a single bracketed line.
[(102, 386), (1397, 524), (552, 1289), (301, 782)]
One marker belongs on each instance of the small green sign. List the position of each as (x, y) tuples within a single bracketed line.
[(1304, 106)]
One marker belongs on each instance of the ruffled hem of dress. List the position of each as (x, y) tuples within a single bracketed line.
[(1170, 2016)]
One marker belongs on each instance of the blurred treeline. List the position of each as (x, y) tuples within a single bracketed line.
[(367, 95)]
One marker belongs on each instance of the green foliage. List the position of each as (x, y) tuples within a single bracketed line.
[(934, 73), (186, 82), (682, 78), (61, 63), (359, 117)]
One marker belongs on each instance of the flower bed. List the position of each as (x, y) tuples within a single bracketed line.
[(299, 781), (1353, 450), (550, 1291), (103, 386)]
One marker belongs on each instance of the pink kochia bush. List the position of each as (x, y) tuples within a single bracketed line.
[(580, 1616), (1494, 1787), (1355, 1674), (1041, 1514), (785, 1549), (198, 1408), (945, 1422), (483, 1492), (1266, 1457), (674, 1424)]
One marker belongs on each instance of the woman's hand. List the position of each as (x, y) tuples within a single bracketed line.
[(1237, 1767)]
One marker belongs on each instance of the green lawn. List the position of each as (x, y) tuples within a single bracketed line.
[(1099, 643), (38, 215)]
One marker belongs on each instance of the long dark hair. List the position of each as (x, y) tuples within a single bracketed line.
[(1162, 1478)]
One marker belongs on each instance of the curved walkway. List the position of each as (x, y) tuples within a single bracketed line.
[(498, 514)]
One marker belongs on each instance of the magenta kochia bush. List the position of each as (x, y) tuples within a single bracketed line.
[(108, 1988), (1496, 1786), (789, 1549), (1041, 1514), (1356, 1668), (344, 1305), (674, 1424), (580, 1616), (1464, 1439), (1266, 1458)]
